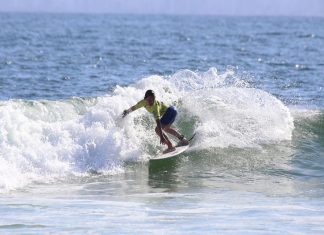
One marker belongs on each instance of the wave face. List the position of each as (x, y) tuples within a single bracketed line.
[(45, 140)]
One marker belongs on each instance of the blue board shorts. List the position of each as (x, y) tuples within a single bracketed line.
[(169, 116)]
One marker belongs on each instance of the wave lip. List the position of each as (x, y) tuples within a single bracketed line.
[(230, 113)]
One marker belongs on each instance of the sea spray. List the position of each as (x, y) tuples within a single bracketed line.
[(230, 112)]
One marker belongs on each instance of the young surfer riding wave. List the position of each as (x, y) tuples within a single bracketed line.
[(164, 116)]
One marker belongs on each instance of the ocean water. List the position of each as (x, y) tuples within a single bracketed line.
[(250, 87)]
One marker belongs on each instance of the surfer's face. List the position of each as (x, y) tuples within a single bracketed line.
[(150, 100)]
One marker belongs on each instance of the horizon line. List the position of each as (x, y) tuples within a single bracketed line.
[(160, 13)]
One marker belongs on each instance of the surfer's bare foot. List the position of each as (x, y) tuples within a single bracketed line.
[(183, 142), (168, 150)]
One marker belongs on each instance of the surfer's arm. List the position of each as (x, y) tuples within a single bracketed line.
[(127, 111), (133, 108)]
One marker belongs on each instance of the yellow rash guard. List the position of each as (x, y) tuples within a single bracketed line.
[(158, 108)]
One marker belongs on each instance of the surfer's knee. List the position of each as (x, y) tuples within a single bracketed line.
[(166, 128)]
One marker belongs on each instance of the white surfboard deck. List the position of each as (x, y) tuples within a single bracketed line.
[(177, 151)]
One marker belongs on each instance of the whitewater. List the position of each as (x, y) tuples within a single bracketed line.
[(44, 140)]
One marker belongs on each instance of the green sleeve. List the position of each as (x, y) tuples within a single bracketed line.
[(140, 104)]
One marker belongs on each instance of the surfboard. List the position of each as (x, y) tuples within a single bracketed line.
[(178, 150)]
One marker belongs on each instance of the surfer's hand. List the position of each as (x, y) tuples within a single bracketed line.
[(124, 114)]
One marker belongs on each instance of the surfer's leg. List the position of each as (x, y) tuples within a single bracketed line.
[(174, 132), (166, 122), (168, 142)]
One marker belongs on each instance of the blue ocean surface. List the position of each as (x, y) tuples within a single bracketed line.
[(251, 88)]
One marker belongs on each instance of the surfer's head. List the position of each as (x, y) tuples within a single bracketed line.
[(149, 97)]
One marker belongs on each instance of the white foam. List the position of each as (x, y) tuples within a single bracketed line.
[(230, 113), (42, 140), (239, 117)]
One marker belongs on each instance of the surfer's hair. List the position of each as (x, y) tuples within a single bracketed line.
[(149, 93)]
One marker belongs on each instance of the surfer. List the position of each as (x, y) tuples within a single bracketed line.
[(164, 116)]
